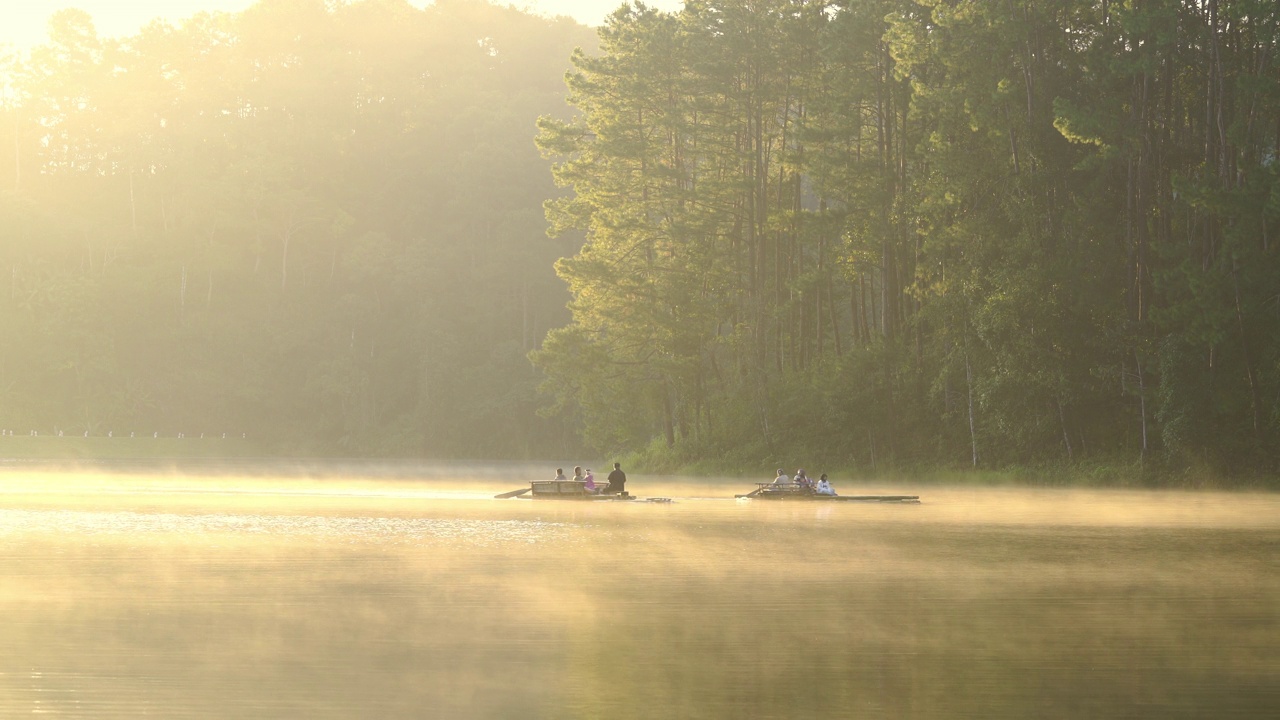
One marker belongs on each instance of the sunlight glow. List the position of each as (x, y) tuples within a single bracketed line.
[(24, 24)]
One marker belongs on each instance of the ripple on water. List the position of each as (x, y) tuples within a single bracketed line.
[(387, 530)]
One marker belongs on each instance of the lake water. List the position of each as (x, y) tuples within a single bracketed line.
[(179, 596)]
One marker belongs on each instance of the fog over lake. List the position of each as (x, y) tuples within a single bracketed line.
[(415, 594)]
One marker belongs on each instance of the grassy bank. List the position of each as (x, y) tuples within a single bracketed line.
[(1104, 473), (657, 459)]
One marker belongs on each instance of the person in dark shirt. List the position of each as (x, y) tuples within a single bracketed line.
[(617, 480)]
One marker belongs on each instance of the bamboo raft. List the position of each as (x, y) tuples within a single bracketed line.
[(795, 493), (572, 490)]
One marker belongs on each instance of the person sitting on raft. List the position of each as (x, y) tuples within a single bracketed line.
[(560, 474), (783, 478), (824, 486), (806, 485), (617, 481), (590, 483)]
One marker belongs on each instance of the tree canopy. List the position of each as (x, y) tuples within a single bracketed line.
[(315, 224), (905, 233), (869, 234)]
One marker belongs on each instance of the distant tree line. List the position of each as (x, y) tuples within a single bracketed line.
[(316, 223), (923, 233)]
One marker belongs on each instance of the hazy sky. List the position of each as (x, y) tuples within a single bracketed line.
[(22, 22)]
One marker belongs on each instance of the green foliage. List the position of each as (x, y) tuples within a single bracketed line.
[(920, 234), (316, 224), (884, 236)]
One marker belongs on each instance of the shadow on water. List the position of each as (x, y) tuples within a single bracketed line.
[(323, 597)]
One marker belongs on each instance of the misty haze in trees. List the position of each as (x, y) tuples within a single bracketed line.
[(318, 226), (896, 233), (874, 235)]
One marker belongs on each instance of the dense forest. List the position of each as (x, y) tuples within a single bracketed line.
[(315, 225), (873, 235), (926, 233)]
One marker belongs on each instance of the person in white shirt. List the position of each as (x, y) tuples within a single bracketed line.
[(824, 486), (783, 478)]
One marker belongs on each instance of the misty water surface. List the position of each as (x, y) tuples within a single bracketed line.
[(215, 597)]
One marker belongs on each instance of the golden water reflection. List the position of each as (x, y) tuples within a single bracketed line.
[(414, 599)]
